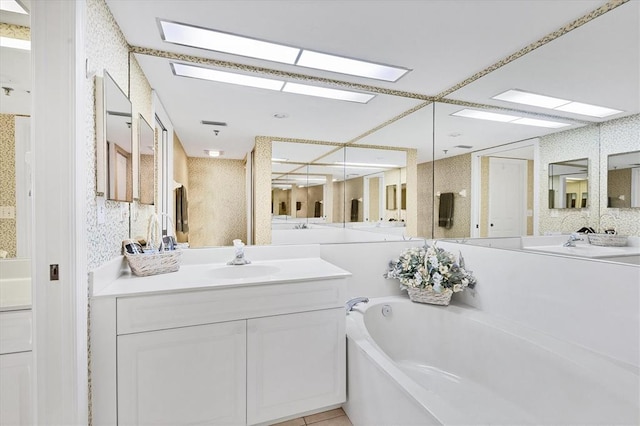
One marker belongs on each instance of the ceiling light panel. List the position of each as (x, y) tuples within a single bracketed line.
[(557, 104), (323, 92), (13, 6), (326, 62), (15, 43), (184, 70), (526, 98), (587, 109), (204, 38), (505, 118)]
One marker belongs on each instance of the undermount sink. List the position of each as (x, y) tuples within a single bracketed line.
[(236, 272)]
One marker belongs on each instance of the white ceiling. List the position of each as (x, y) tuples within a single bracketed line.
[(442, 42)]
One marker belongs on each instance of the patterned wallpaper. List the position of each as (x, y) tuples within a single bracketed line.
[(425, 197), (180, 175), (106, 48), (8, 181), (217, 206), (262, 190), (618, 136)]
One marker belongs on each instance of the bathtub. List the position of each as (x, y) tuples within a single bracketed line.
[(425, 364)]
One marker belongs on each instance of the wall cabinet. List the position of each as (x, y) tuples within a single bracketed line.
[(239, 356)]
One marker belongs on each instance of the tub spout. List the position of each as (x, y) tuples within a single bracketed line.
[(351, 303)]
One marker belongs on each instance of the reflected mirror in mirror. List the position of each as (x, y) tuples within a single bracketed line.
[(623, 180), (391, 197), (146, 148), (568, 184), (115, 141)]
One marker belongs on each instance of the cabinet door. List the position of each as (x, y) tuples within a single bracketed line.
[(15, 389), (190, 375), (295, 363)]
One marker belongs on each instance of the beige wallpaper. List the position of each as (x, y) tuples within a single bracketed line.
[(338, 202), (617, 136), (217, 201), (262, 191), (425, 200), (564, 146), (8, 181), (314, 193), (354, 189), (453, 174), (279, 196), (181, 176), (106, 48)]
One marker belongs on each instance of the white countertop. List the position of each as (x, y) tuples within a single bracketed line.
[(211, 276)]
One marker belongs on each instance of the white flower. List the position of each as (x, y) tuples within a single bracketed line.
[(443, 269), (433, 260), (457, 287)]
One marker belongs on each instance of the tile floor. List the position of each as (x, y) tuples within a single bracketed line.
[(335, 417)]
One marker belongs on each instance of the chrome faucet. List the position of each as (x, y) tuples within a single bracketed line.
[(571, 242), (351, 303), (239, 258)]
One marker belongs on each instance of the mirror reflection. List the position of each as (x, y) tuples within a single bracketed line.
[(569, 184), (146, 148), (118, 141), (623, 180)]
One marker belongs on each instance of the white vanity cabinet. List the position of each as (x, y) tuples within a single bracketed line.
[(221, 355), (190, 375), (16, 368)]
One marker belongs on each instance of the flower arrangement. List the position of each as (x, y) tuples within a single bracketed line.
[(431, 268)]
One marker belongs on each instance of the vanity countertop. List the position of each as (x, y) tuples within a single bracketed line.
[(220, 275), (588, 250)]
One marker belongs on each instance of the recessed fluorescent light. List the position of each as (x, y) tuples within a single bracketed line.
[(279, 159), (213, 153), (587, 109), (540, 123), (15, 43), (365, 164), (13, 6), (323, 92), (225, 77), (484, 115), (323, 61), (526, 98), (505, 118), (204, 38)]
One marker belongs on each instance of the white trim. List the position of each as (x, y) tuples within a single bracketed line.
[(635, 187), (165, 159), (59, 195)]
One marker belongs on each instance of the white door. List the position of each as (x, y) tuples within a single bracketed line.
[(295, 363), (15, 389), (507, 197), (183, 376)]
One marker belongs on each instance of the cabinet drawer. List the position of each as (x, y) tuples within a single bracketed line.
[(15, 331), (164, 311)]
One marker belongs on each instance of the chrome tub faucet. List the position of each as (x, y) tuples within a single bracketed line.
[(351, 303)]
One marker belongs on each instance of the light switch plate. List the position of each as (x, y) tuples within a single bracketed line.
[(7, 212)]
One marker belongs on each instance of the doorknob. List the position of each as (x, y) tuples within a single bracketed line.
[(491, 224)]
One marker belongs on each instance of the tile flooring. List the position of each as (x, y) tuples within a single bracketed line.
[(335, 417)]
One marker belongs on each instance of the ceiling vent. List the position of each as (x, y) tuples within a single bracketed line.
[(213, 123), (463, 146)]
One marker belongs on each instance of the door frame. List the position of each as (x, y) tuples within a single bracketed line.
[(476, 181)]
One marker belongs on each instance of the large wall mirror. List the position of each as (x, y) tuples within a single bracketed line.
[(623, 180), (115, 141), (569, 184), (146, 150), (477, 161)]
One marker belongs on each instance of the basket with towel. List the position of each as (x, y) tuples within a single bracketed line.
[(160, 255)]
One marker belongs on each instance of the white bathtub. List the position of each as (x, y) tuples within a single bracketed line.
[(426, 364)]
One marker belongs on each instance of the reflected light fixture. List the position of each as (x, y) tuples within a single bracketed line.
[(205, 38), (184, 70), (506, 118), (213, 153), (13, 6), (542, 101)]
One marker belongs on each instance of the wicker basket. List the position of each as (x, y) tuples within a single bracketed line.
[(161, 262), (428, 295), (608, 240)]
